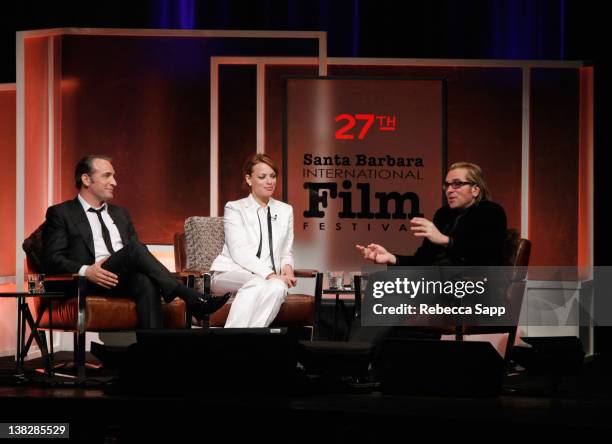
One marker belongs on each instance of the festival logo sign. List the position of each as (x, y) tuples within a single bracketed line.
[(361, 157)]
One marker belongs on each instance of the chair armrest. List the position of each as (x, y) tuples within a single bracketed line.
[(187, 273), (305, 273), (61, 277), (187, 277)]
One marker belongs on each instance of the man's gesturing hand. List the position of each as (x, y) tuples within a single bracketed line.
[(377, 254), (422, 227)]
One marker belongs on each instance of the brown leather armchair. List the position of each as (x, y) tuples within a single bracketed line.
[(516, 254), (202, 242), (88, 312)]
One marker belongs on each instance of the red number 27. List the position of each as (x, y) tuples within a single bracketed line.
[(345, 131)]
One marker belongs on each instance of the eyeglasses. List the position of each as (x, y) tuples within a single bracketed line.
[(455, 184)]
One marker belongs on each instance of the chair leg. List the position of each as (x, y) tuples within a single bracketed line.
[(75, 341), (510, 346), (318, 298), (80, 344), (207, 292), (188, 316), (459, 333), (80, 358)]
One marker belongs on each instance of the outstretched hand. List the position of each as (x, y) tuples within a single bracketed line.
[(377, 254)]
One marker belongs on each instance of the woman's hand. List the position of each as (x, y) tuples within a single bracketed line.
[(282, 278), (288, 273)]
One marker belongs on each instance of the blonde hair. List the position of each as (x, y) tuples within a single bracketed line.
[(474, 175)]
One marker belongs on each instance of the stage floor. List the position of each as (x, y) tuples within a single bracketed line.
[(332, 410)]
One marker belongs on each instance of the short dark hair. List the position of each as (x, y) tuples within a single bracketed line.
[(85, 166)]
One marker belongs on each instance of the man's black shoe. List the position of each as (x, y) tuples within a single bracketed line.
[(207, 305)]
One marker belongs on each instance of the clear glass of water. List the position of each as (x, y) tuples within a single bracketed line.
[(335, 279), (352, 275), (36, 283)]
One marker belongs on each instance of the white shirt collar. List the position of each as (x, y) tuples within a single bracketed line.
[(252, 201), (86, 205)]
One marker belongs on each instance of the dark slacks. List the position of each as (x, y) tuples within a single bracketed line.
[(142, 277)]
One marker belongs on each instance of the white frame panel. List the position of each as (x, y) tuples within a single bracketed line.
[(322, 60), (23, 35), (19, 86), (524, 65), (260, 64)]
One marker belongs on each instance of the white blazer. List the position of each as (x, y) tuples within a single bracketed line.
[(242, 236)]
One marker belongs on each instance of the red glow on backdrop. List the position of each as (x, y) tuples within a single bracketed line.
[(70, 84), (7, 182)]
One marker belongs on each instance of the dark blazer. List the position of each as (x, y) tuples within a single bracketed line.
[(477, 237), (68, 240)]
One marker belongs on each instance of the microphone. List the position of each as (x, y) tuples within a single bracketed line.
[(273, 218)]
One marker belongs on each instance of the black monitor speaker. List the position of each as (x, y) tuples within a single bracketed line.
[(214, 360), (551, 355), (441, 368), (335, 358)]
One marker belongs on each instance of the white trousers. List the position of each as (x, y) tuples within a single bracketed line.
[(257, 300)]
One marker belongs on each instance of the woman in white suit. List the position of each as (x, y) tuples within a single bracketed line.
[(256, 261)]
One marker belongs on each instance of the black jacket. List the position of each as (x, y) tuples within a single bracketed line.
[(68, 240), (477, 237)]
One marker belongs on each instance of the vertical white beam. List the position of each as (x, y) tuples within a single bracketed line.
[(214, 137), (261, 106), (20, 163), (587, 95), (50, 121), (525, 152), (323, 54)]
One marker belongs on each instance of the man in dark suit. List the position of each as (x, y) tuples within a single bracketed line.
[(469, 230), (88, 236)]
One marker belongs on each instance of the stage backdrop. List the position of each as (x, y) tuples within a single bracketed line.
[(361, 157)]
